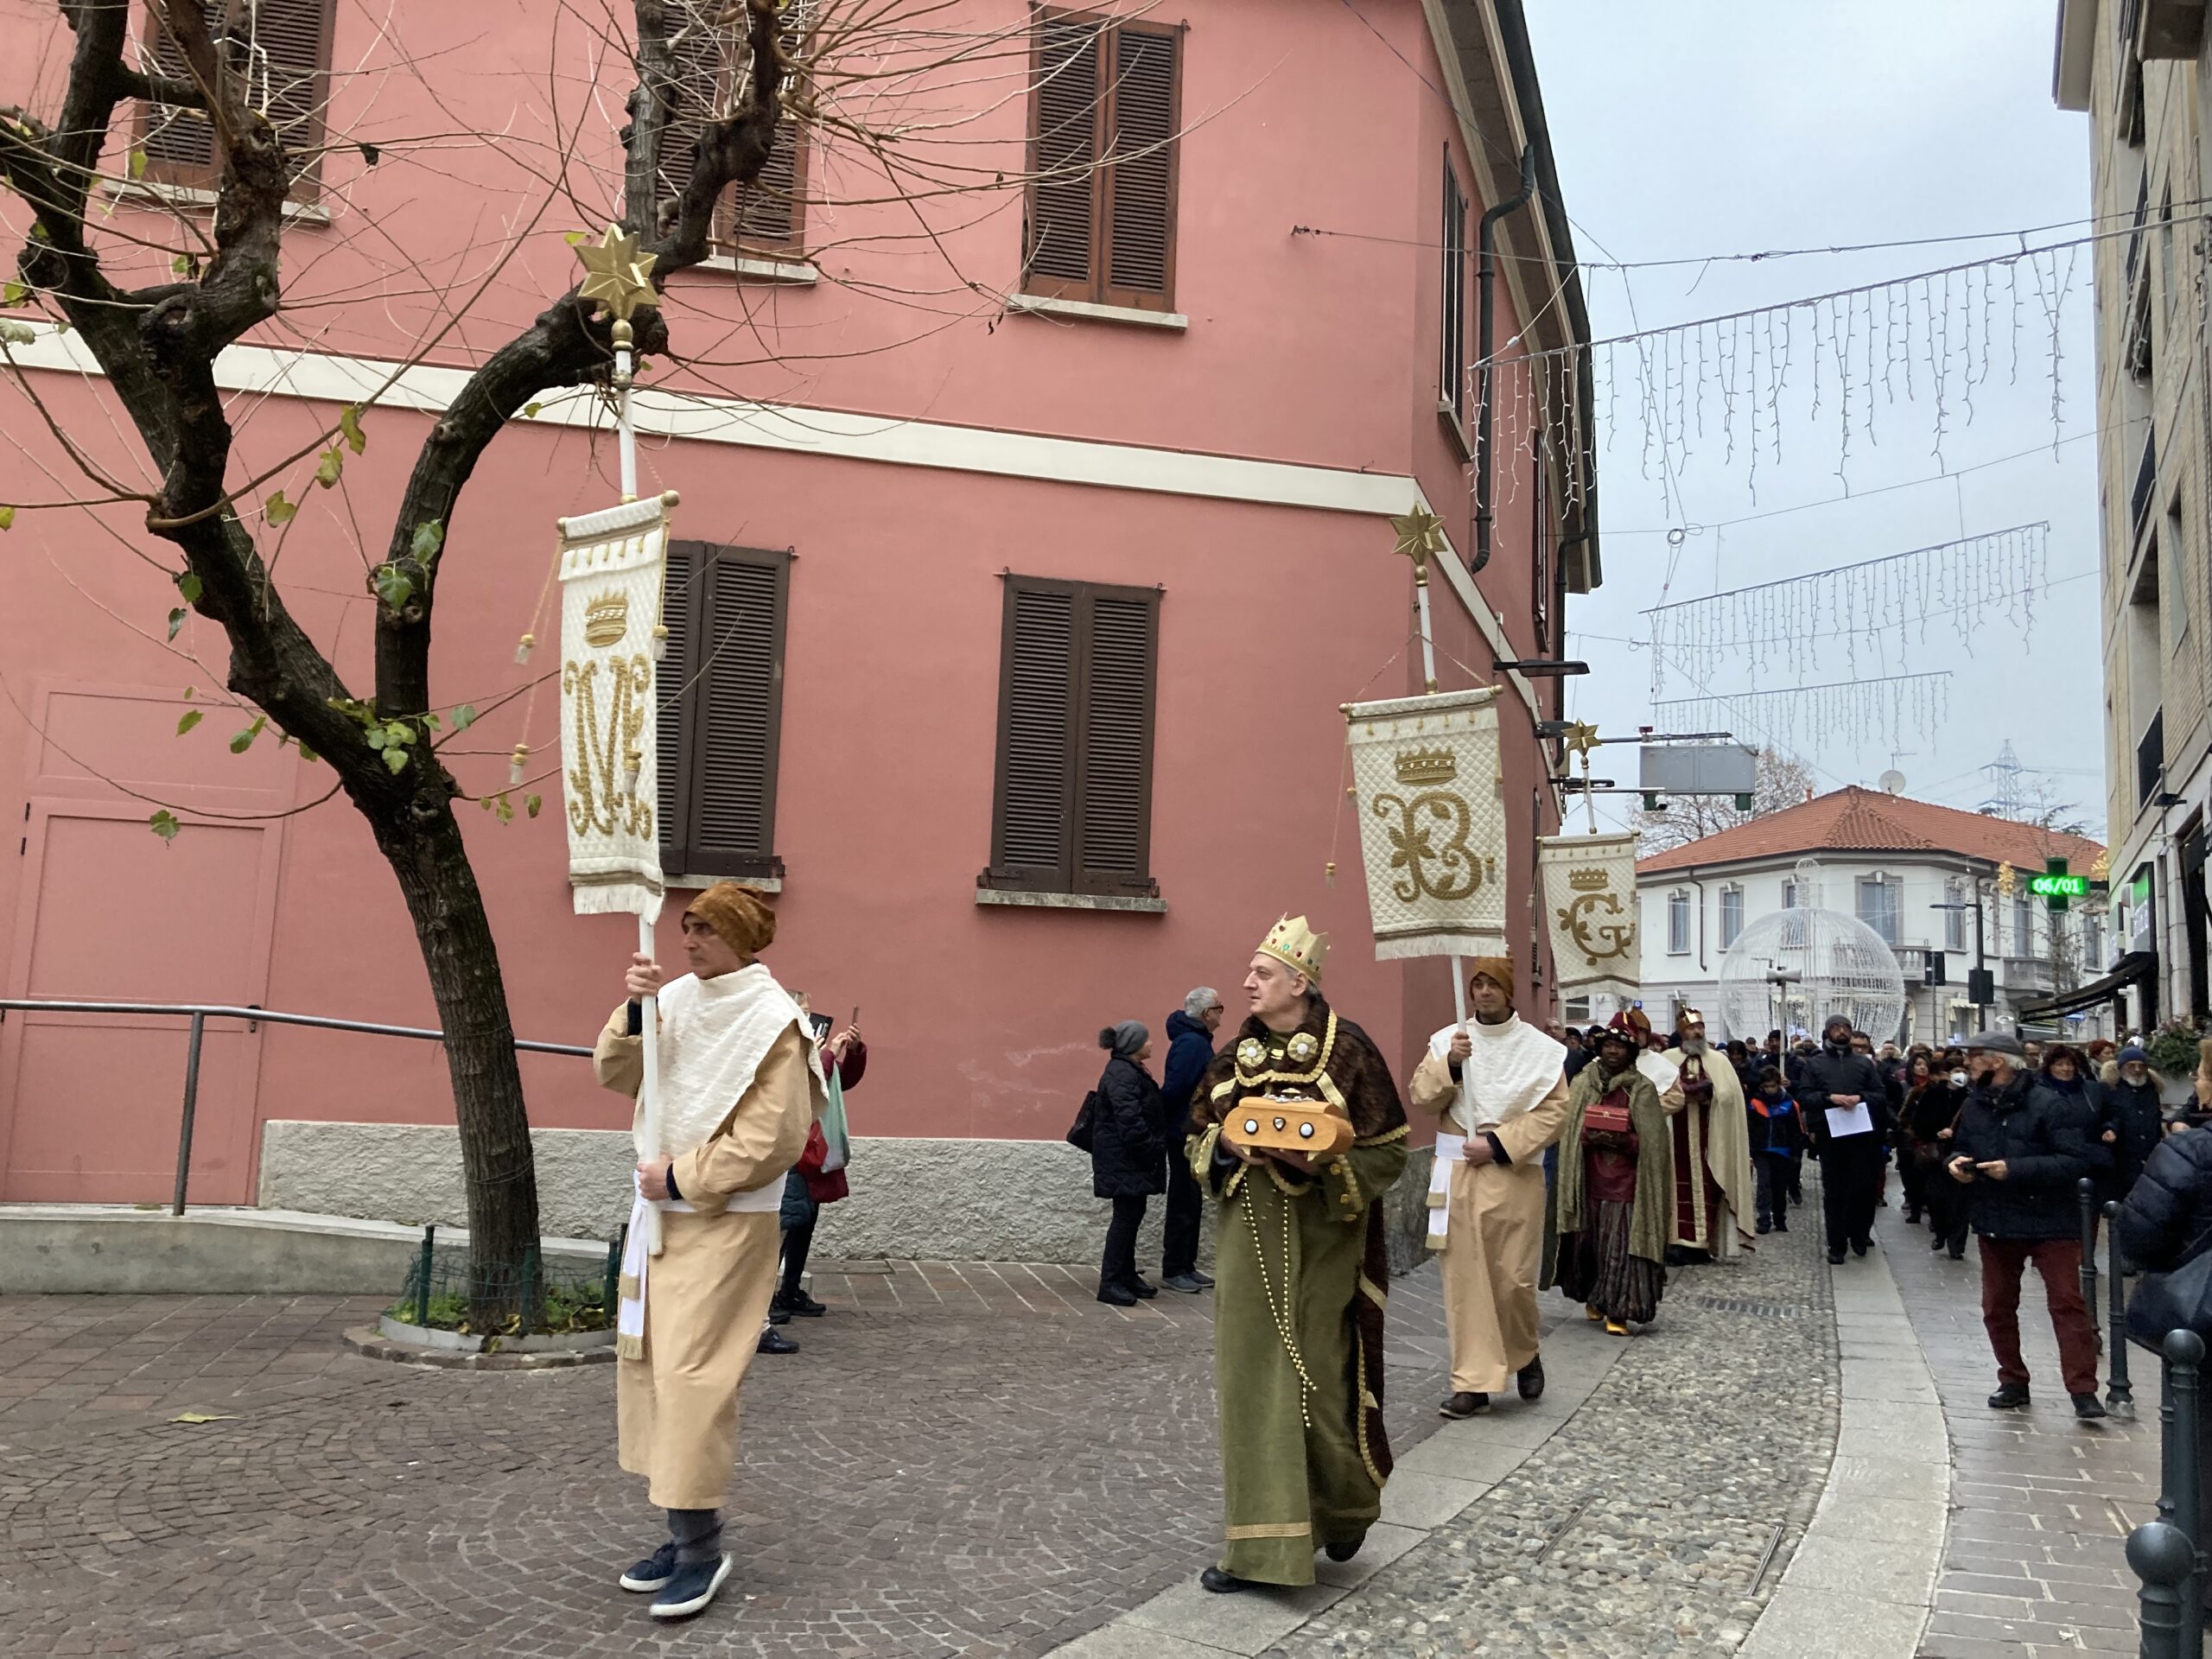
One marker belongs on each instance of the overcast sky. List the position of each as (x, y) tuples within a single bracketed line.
[(1695, 128)]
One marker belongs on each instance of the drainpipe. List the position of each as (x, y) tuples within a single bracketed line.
[(1485, 336)]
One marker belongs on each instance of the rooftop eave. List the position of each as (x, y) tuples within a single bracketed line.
[(2074, 53)]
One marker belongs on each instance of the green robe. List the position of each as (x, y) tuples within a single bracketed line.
[(1303, 1276)]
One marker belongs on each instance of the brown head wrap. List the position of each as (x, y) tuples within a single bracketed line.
[(737, 915), (1498, 968)]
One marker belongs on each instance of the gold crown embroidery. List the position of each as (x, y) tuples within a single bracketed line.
[(607, 618), (1422, 768), (1589, 881)]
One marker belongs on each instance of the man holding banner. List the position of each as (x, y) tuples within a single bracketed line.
[(740, 1087)]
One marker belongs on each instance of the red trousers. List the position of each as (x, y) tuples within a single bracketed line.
[(2059, 1262)]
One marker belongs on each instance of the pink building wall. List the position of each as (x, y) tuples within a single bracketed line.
[(1318, 351)]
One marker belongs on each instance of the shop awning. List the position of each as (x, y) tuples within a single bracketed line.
[(2136, 964)]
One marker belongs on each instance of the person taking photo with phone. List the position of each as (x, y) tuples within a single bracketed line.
[(2017, 1155)]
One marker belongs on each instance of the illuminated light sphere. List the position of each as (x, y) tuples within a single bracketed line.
[(1835, 965)]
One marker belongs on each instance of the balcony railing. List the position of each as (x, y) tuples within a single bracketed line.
[(2030, 973), (2151, 758), (2147, 483)]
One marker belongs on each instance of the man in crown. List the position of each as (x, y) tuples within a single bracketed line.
[(1712, 1146), (1503, 1085), (1301, 1264)]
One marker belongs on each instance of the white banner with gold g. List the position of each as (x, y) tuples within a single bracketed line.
[(1589, 887), (612, 563), (1432, 824)]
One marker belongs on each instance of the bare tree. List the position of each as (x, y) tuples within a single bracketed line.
[(715, 88), (1781, 780)]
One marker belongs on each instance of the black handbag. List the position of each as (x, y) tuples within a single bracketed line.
[(2165, 1302), (1084, 1129)]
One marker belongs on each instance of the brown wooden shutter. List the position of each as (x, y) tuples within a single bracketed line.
[(1036, 780), (1113, 789), (769, 215), (1067, 119), (281, 48), (179, 145), (1141, 180), (676, 700), (1452, 322)]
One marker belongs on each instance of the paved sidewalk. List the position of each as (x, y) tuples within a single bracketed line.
[(2033, 1565)]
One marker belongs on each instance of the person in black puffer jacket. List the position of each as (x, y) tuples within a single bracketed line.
[(2018, 1155), (1128, 1156), (1851, 1165), (2137, 1118)]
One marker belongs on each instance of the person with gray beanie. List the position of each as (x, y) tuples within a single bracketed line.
[(1129, 1155)]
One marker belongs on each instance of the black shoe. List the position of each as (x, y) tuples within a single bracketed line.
[(1185, 1284), (1912, 1217), (1117, 1295), (773, 1341), (1835, 1258), (1529, 1379), (1140, 1289), (2010, 1396), (1765, 1227), (779, 1315), (799, 1302), (1221, 1583), (1860, 1246), (691, 1589), (1463, 1404), (1780, 1226), (1345, 1551), (1936, 1244), (656, 1570), (1205, 1279), (1958, 1256), (2088, 1407)]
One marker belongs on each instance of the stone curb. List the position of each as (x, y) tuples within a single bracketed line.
[(372, 1343), (1862, 1582)]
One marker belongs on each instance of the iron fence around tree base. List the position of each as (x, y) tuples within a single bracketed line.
[(447, 1290), (198, 1014)]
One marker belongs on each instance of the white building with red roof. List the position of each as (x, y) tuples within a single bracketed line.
[(1915, 873)]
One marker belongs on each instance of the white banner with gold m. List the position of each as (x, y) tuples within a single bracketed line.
[(612, 563), (1432, 824), (1589, 886)]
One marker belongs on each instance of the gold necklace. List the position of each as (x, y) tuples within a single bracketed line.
[(1280, 1306)]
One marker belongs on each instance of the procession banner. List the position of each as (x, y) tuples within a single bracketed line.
[(1432, 822), (612, 563), (1589, 888)]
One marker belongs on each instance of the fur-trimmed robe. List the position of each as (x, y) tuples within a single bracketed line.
[(1304, 1272)]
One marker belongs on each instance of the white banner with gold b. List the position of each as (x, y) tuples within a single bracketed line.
[(1432, 824), (1589, 887), (612, 563)]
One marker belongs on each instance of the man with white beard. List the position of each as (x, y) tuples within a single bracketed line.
[(1713, 1148)]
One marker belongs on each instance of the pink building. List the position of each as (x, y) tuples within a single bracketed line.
[(1024, 573)]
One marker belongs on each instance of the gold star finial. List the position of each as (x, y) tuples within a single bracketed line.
[(1581, 738), (1419, 533), (616, 274)]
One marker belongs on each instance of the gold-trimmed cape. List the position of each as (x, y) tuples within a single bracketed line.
[(1302, 1265)]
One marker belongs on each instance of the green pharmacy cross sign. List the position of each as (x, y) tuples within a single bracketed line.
[(2057, 887)]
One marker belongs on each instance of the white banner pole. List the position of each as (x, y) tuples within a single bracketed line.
[(1428, 676), (649, 1084)]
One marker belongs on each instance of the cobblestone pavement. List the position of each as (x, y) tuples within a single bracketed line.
[(2043, 1505), (963, 1460), (1658, 1520)]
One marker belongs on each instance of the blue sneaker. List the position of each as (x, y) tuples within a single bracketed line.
[(656, 1570), (690, 1589)]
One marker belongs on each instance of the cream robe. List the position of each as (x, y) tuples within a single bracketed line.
[(676, 1407), (1494, 1236), (1722, 1134)]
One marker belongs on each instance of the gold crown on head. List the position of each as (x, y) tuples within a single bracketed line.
[(1427, 766), (1589, 881), (1291, 940), (607, 618)]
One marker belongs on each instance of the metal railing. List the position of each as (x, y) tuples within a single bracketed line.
[(198, 1014)]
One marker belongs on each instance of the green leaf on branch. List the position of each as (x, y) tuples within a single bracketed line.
[(349, 424), (176, 620), (138, 161), (7, 518), (243, 740), (279, 510), (398, 733), (464, 718), (427, 540), (572, 237), (13, 293), (188, 585), (375, 737), (505, 811), (394, 760), (17, 333), (306, 753), (532, 803), (192, 718), (164, 824), (393, 587), (530, 411), (332, 464)]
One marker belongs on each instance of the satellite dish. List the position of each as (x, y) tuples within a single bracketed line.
[(1893, 782)]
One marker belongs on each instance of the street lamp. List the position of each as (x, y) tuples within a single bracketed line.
[(1981, 963)]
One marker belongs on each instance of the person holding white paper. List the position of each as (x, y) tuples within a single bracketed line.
[(1846, 1109), (1502, 1085)]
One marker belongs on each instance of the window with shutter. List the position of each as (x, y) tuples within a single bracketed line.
[(1105, 106), (768, 216), (1072, 809), (720, 709), (281, 48)]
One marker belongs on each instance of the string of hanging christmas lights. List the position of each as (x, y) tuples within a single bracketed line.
[(1870, 604), (1838, 713), (1834, 363)]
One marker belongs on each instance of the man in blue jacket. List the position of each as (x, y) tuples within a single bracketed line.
[(1189, 1051)]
